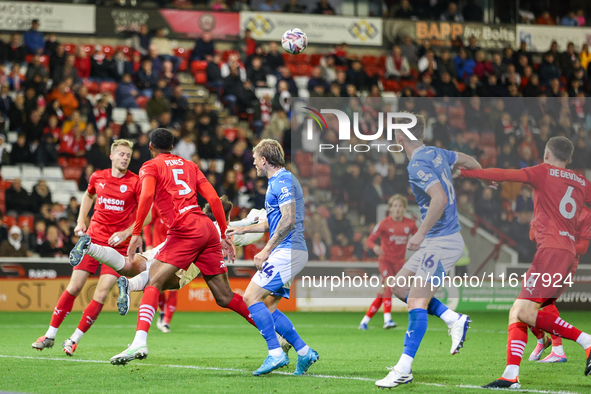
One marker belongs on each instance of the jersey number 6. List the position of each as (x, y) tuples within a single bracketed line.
[(568, 200), (183, 192)]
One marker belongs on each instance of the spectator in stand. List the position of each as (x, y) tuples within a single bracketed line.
[(508, 157), (14, 245), (33, 128), (511, 77), (126, 93), (17, 199), (101, 68), (525, 201), (15, 51), (444, 87), (34, 41), (487, 207), (98, 155), (21, 153), (569, 19), (83, 63), (521, 64), (72, 143), (6, 102), (397, 66), (452, 14), (548, 69), (472, 12), (580, 17), (373, 195), (214, 74), (316, 79), (185, 148), (499, 68), (146, 79), (141, 40), (585, 56), (51, 45), (446, 64), (164, 49), (85, 178), (427, 63), (340, 227), (522, 51), (57, 59), (233, 62), (256, 74), (157, 105), (554, 90), (273, 59), (482, 67), (464, 65), (324, 8), (546, 19), (567, 60), (16, 79), (329, 71), (293, 7), (473, 87), (526, 158), (40, 194), (248, 47), (410, 50), (357, 76), (532, 89), (204, 47), (74, 119), (404, 11), (70, 70), (269, 6), (179, 105), (121, 66), (167, 79), (129, 129), (53, 246)]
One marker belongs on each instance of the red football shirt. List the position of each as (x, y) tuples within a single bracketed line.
[(176, 188), (116, 203), (393, 238), (559, 197)]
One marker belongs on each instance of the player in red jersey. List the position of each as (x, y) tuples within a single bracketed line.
[(558, 201), (557, 354), (173, 183), (118, 192), (154, 235), (393, 232)]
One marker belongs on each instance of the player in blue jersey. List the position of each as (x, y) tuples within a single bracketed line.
[(438, 245), (284, 256)]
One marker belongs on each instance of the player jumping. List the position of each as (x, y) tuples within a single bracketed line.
[(118, 192), (438, 243), (393, 233), (282, 258), (558, 201)]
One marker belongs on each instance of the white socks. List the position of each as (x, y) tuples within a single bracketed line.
[(541, 341), (558, 350), (387, 317), (276, 352), (77, 335), (584, 340), (139, 282), (303, 351), (141, 339), (365, 319), (106, 255), (511, 372), (51, 332), (404, 364), (449, 317)]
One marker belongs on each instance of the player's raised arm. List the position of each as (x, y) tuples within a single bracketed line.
[(146, 200), (468, 162), (436, 208), (497, 174)]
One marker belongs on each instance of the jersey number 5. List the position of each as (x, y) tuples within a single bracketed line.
[(568, 200), (183, 192)]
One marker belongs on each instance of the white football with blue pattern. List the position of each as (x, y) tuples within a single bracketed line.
[(294, 41)]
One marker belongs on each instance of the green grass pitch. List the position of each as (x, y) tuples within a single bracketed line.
[(216, 352)]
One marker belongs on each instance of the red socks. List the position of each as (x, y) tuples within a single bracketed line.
[(89, 316), (556, 340), (162, 301), (555, 325), (375, 305), (62, 309), (237, 305), (516, 343), (170, 306), (387, 300), (538, 333), (147, 308)]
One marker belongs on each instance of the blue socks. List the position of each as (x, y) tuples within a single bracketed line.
[(435, 307), (285, 328), (264, 321), (417, 326)]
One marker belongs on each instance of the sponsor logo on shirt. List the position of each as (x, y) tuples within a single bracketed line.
[(399, 239), (566, 234), (112, 204)]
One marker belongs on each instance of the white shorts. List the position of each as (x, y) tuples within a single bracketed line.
[(436, 257), (280, 269)]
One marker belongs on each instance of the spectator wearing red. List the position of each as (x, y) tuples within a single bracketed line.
[(482, 66), (82, 63), (250, 43), (397, 66), (100, 114), (73, 143), (546, 19), (63, 94)]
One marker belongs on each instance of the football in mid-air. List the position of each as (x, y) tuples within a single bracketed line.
[(294, 41)]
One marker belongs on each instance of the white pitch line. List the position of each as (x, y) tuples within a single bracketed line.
[(196, 367)]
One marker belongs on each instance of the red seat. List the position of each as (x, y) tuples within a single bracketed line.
[(287, 58), (302, 157), (116, 128), (370, 60), (72, 173), (390, 85), (184, 65), (323, 181), (487, 139), (382, 61), (77, 162), (109, 51), (29, 58), (93, 87), (293, 68), (27, 220), (5, 185), (305, 169), (182, 53), (88, 48), (110, 87), (321, 169), (44, 61), (142, 101), (200, 78), (198, 65), (70, 48), (62, 162), (127, 51), (10, 221), (315, 58), (302, 59)]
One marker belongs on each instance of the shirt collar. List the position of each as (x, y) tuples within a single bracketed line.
[(278, 171), (416, 150)]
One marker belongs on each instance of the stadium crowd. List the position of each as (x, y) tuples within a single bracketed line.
[(500, 107)]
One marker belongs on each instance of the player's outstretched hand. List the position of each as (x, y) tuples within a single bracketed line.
[(228, 248), (415, 242), (80, 229), (456, 173), (233, 231), (118, 238), (378, 250), (134, 244), (260, 258)]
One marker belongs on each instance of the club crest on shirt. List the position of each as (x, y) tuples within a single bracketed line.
[(123, 188)]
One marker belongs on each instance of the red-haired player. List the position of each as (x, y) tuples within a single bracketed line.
[(393, 233)]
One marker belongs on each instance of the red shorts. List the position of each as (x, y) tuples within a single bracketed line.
[(91, 265), (389, 268), (544, 278), (200, 245)]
